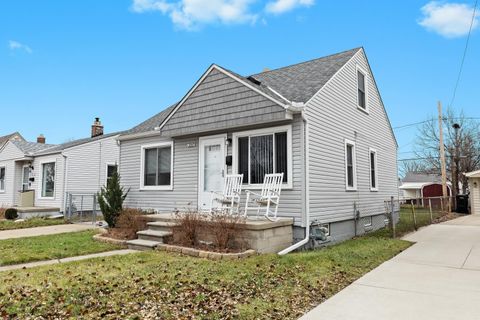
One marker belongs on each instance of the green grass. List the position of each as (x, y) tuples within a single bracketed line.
[(161, 285), (29, 223), (21, 250)]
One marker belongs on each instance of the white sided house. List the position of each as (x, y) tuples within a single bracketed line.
[(321, 123), (37, 176)]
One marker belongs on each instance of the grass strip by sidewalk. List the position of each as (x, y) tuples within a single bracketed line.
[(161, 285), (57, 246), (29, 223)]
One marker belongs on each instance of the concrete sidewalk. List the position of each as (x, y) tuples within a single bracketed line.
[(42, 231), (437, 278), (65, 260)]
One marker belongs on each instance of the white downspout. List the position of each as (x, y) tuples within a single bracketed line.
[(307, 191)]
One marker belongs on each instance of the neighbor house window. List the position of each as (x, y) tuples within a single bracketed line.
[(373, 170), (111, 170), (262, 152), (350, 166), (157, 166), (48, 179), (2, 179), (362, 89)]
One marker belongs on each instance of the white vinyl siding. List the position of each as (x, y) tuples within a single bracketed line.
[(157, 166)]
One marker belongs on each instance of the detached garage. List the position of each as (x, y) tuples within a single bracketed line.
[(474, 187)]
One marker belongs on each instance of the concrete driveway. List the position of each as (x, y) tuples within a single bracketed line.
[(437, 278)]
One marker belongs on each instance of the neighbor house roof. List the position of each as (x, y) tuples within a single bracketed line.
[(30, 148), (422, 177), (300, 82), (473, 174), (70, 144), (8, 137), (153, 122)]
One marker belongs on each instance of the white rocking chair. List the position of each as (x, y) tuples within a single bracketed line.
[(229, 199), (268, 198)]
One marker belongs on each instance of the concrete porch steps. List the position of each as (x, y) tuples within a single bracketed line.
[(161, 226), (153, 235), (142, 245)]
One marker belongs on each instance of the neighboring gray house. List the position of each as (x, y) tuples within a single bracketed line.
[(321, 122), (48, 172), (417, 185), (10, 137)]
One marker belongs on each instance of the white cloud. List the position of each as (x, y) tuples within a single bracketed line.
[(282, 6), (448, 19), (191, 14), (15, 45)]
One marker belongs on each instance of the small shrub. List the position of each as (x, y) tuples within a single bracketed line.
[(129, 222), (11, 214), (111, 200), (2, 212), (227, 230), (187, 228)]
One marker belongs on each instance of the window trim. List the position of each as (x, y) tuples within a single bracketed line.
[(4, 179), (109, 164), (166, 144), (368, 221), (365, 74), (259, 132), (370, 151), (326, 226), (40, 186), (354, 162)]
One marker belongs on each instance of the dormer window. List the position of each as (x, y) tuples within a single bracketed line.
[(362, 90)]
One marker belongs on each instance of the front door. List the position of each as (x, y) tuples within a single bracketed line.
[(26, 178), (211, 168)]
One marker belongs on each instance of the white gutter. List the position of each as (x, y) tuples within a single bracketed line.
[(307, 188), (132, 136)]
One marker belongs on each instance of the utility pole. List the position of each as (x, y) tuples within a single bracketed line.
[(442, 151)]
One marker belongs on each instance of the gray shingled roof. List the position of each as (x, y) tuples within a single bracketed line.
[(299, 82), (74, 143), (31, 147), (153, 122), (4, 139), (422, 177)]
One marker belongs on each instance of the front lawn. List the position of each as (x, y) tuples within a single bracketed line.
[(161, 285), (21, 250), (29, 223)]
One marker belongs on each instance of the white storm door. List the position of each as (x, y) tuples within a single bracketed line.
[(211, 168)]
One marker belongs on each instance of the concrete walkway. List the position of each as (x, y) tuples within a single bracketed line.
[(437, 278), (42, 231), (65, 260)]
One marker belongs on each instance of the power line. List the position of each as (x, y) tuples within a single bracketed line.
[(464, 53), (413, 159), (430, 120)]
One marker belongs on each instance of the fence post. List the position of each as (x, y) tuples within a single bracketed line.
[(449, 199), (70, 206), (441, 204), (430, 207), (392, 217), (355, 216), (414, 217)]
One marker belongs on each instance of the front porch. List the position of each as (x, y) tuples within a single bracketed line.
[(262, 235)]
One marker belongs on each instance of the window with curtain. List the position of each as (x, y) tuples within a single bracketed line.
[(362, 101), (259, 155), (2, 179), (157, 166), (48, 179)]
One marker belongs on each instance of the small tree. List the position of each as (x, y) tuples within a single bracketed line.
[(111, 199)]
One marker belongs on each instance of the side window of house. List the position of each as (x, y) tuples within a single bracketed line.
[(361, 90), (259, 155), (48, 179), (2, 179), (350, 166), (111, 170), (158, 166), (373, 170)]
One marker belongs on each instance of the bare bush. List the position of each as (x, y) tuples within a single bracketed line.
[(227, 231), (2, 212), (187, 227), (129, 222)]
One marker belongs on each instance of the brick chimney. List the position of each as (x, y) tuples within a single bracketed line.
[(41, 139), (97, 128)]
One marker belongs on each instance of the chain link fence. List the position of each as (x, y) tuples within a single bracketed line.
[(82, 208), (408, 215)]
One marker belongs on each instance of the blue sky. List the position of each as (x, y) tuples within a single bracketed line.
[(62, 63)]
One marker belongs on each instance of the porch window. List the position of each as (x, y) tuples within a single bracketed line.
[(350, 166), (48, 180), (373, 170), (2, 179), (261, 152), (157, 166)]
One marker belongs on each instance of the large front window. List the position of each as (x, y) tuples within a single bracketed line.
[(2, 179), (48, 180), (157, 166), (262, 152)]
